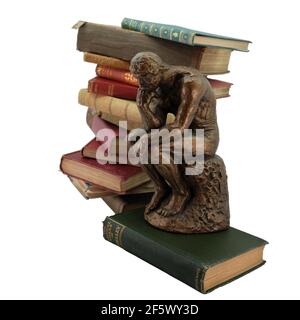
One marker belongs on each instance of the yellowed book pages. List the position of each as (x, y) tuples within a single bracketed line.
[(214, 61)]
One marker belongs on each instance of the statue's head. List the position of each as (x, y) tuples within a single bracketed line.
[(147, 67)]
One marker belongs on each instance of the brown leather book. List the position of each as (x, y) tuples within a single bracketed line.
[(124, 44)]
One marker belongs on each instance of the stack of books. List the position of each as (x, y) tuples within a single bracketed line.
[(110, 97)]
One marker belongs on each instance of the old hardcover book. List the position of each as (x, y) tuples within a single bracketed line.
[(91, 191), (106, 61), (124, 44), (96, 124), (184, 35), (120, 108), (202, 261), (119, 75), (116, 177), (112, 88), (125, 203), (221, 88), (111, 151), (88, 190)]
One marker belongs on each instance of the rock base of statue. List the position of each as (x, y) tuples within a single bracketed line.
[(208, 208)]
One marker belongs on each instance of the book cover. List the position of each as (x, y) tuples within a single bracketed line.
[(112, 88), (202, 261), (119, 75), (110, 150), (184, 35), (119, 108), (116, 177)]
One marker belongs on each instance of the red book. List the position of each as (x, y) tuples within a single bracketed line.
[(116, 74), (116, 177), (90, 149), (221, 88), (108, 131), (112, 88), (109, 150)]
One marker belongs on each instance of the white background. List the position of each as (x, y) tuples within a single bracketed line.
[(51, 244)]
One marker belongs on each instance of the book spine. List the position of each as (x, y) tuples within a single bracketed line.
[(112, 88), (120, 109), (106, 61), (168, 261), (163, 31), (116, 74)]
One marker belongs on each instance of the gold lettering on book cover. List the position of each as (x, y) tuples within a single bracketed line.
[(118, 235), (108, 231)]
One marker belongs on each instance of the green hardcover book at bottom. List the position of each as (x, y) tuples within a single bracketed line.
[(202, 261)]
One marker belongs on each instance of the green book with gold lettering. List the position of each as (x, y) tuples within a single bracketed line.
[(184, 35), (202, 261)]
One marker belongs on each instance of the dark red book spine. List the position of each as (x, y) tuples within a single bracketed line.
[(116, 74), (112, 88)]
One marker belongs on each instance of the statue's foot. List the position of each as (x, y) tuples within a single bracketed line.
[(175, 205), (156, 200)]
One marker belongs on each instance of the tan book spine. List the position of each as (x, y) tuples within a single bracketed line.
[(120, 108), (106, 61)]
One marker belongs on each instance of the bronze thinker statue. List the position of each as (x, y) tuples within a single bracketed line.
[(181, 203)]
